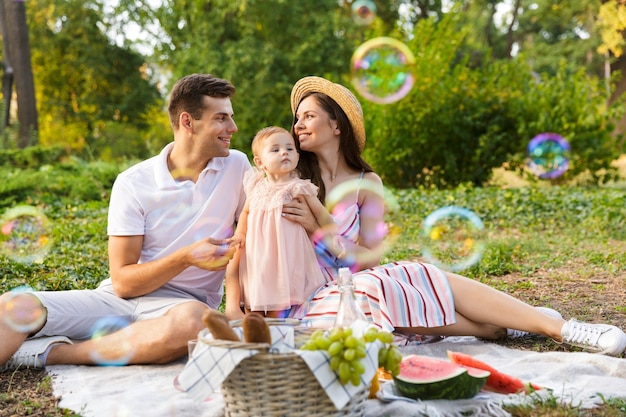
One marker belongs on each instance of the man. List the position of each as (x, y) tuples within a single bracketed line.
[(169, 224)]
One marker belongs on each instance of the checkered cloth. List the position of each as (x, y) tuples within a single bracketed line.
[(210, 365)]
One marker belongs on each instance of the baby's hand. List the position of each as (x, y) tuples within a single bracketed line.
[(238, 241)]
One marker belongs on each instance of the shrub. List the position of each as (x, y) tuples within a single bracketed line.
[(64, 183), (459, 122), (32, 156)]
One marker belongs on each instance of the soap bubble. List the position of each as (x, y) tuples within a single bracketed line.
[(25, 234), (341, 203), (363, 12), (548, 155), (106, 354), (381, 70), (453, 238), (22, 311), (183, 174)]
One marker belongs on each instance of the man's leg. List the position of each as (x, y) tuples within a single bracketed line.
[(152, 341)]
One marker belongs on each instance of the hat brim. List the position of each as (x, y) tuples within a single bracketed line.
[(342, 96)]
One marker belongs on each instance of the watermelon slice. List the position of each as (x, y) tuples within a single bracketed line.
[(497, 382), (426, 378)]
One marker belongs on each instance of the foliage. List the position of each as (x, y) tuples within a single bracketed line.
[(473, 95), (84, 82), (549, 32), (78, 259), (159, 133), (575, 106), (612, 23), (528, 228), (31, 157), (460, 122), (550, 405), (263, 47), (67, 182), (525, 226), (113, 141)]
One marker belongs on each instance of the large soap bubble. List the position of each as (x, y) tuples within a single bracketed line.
[(26, 234), (22, 311), (363, 12), (548, 155), (453, 238), (381, 70), (104, 352), (341, 202)]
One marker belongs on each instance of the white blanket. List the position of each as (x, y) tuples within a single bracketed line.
[(580, 379)]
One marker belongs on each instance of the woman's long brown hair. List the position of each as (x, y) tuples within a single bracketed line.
[(308, 165)]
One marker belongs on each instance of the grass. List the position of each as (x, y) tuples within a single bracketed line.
[(560, 246), (550, 406)]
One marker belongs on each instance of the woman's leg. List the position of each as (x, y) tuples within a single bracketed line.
[(485, 305), (485, 312)]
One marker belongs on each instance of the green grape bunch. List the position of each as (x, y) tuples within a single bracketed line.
[(347, 351)]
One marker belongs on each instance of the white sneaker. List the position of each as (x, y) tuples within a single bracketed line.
[(29, 354), (516, 334), (596, 338)]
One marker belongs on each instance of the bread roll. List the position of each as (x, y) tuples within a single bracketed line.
[(255, 329), (218, 325)]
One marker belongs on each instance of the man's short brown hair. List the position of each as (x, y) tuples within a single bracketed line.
[(188, 95)]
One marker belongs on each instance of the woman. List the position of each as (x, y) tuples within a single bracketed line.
[(408, 297)]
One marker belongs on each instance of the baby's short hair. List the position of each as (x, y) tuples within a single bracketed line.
[(263, 134)]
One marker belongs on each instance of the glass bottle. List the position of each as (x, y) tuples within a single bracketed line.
[(349, 314)]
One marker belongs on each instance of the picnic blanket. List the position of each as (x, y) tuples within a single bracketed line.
[(576, 378)]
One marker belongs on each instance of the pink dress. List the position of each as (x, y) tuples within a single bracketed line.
[(279, 268), (398, 294)]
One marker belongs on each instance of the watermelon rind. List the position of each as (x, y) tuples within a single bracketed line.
[(477, 380), (426, 378), (498, 381)]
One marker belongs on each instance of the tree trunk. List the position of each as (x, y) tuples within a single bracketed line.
[(619, 65), (7, 71), (17, 32)]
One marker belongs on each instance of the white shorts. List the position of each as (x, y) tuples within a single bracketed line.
[(73, 313)]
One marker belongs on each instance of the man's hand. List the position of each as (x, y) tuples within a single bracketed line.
[(211, 254)]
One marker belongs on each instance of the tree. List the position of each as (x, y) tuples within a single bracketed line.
[(85, 82), (612, 26), (17, 60), (263, 47)]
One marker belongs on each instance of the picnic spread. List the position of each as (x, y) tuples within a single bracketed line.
[(230, 378)]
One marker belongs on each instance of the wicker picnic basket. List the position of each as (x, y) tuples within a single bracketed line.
[(278, 384)]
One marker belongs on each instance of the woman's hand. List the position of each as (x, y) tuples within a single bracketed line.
[(299, 211)]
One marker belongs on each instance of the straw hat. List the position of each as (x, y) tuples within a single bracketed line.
[(342, 96)]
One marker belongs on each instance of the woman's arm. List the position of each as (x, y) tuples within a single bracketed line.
[(323, 218), (372, 223), (368, 249)]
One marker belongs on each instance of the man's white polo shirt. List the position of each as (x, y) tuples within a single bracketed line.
[(146, 200)]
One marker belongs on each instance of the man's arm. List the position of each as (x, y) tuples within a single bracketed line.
[(131, 279)]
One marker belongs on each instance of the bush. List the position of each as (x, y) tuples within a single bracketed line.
[(65, 183), (114, 141), (460, 122), (32, 156)]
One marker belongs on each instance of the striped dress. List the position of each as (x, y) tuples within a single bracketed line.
[(397, 294)]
